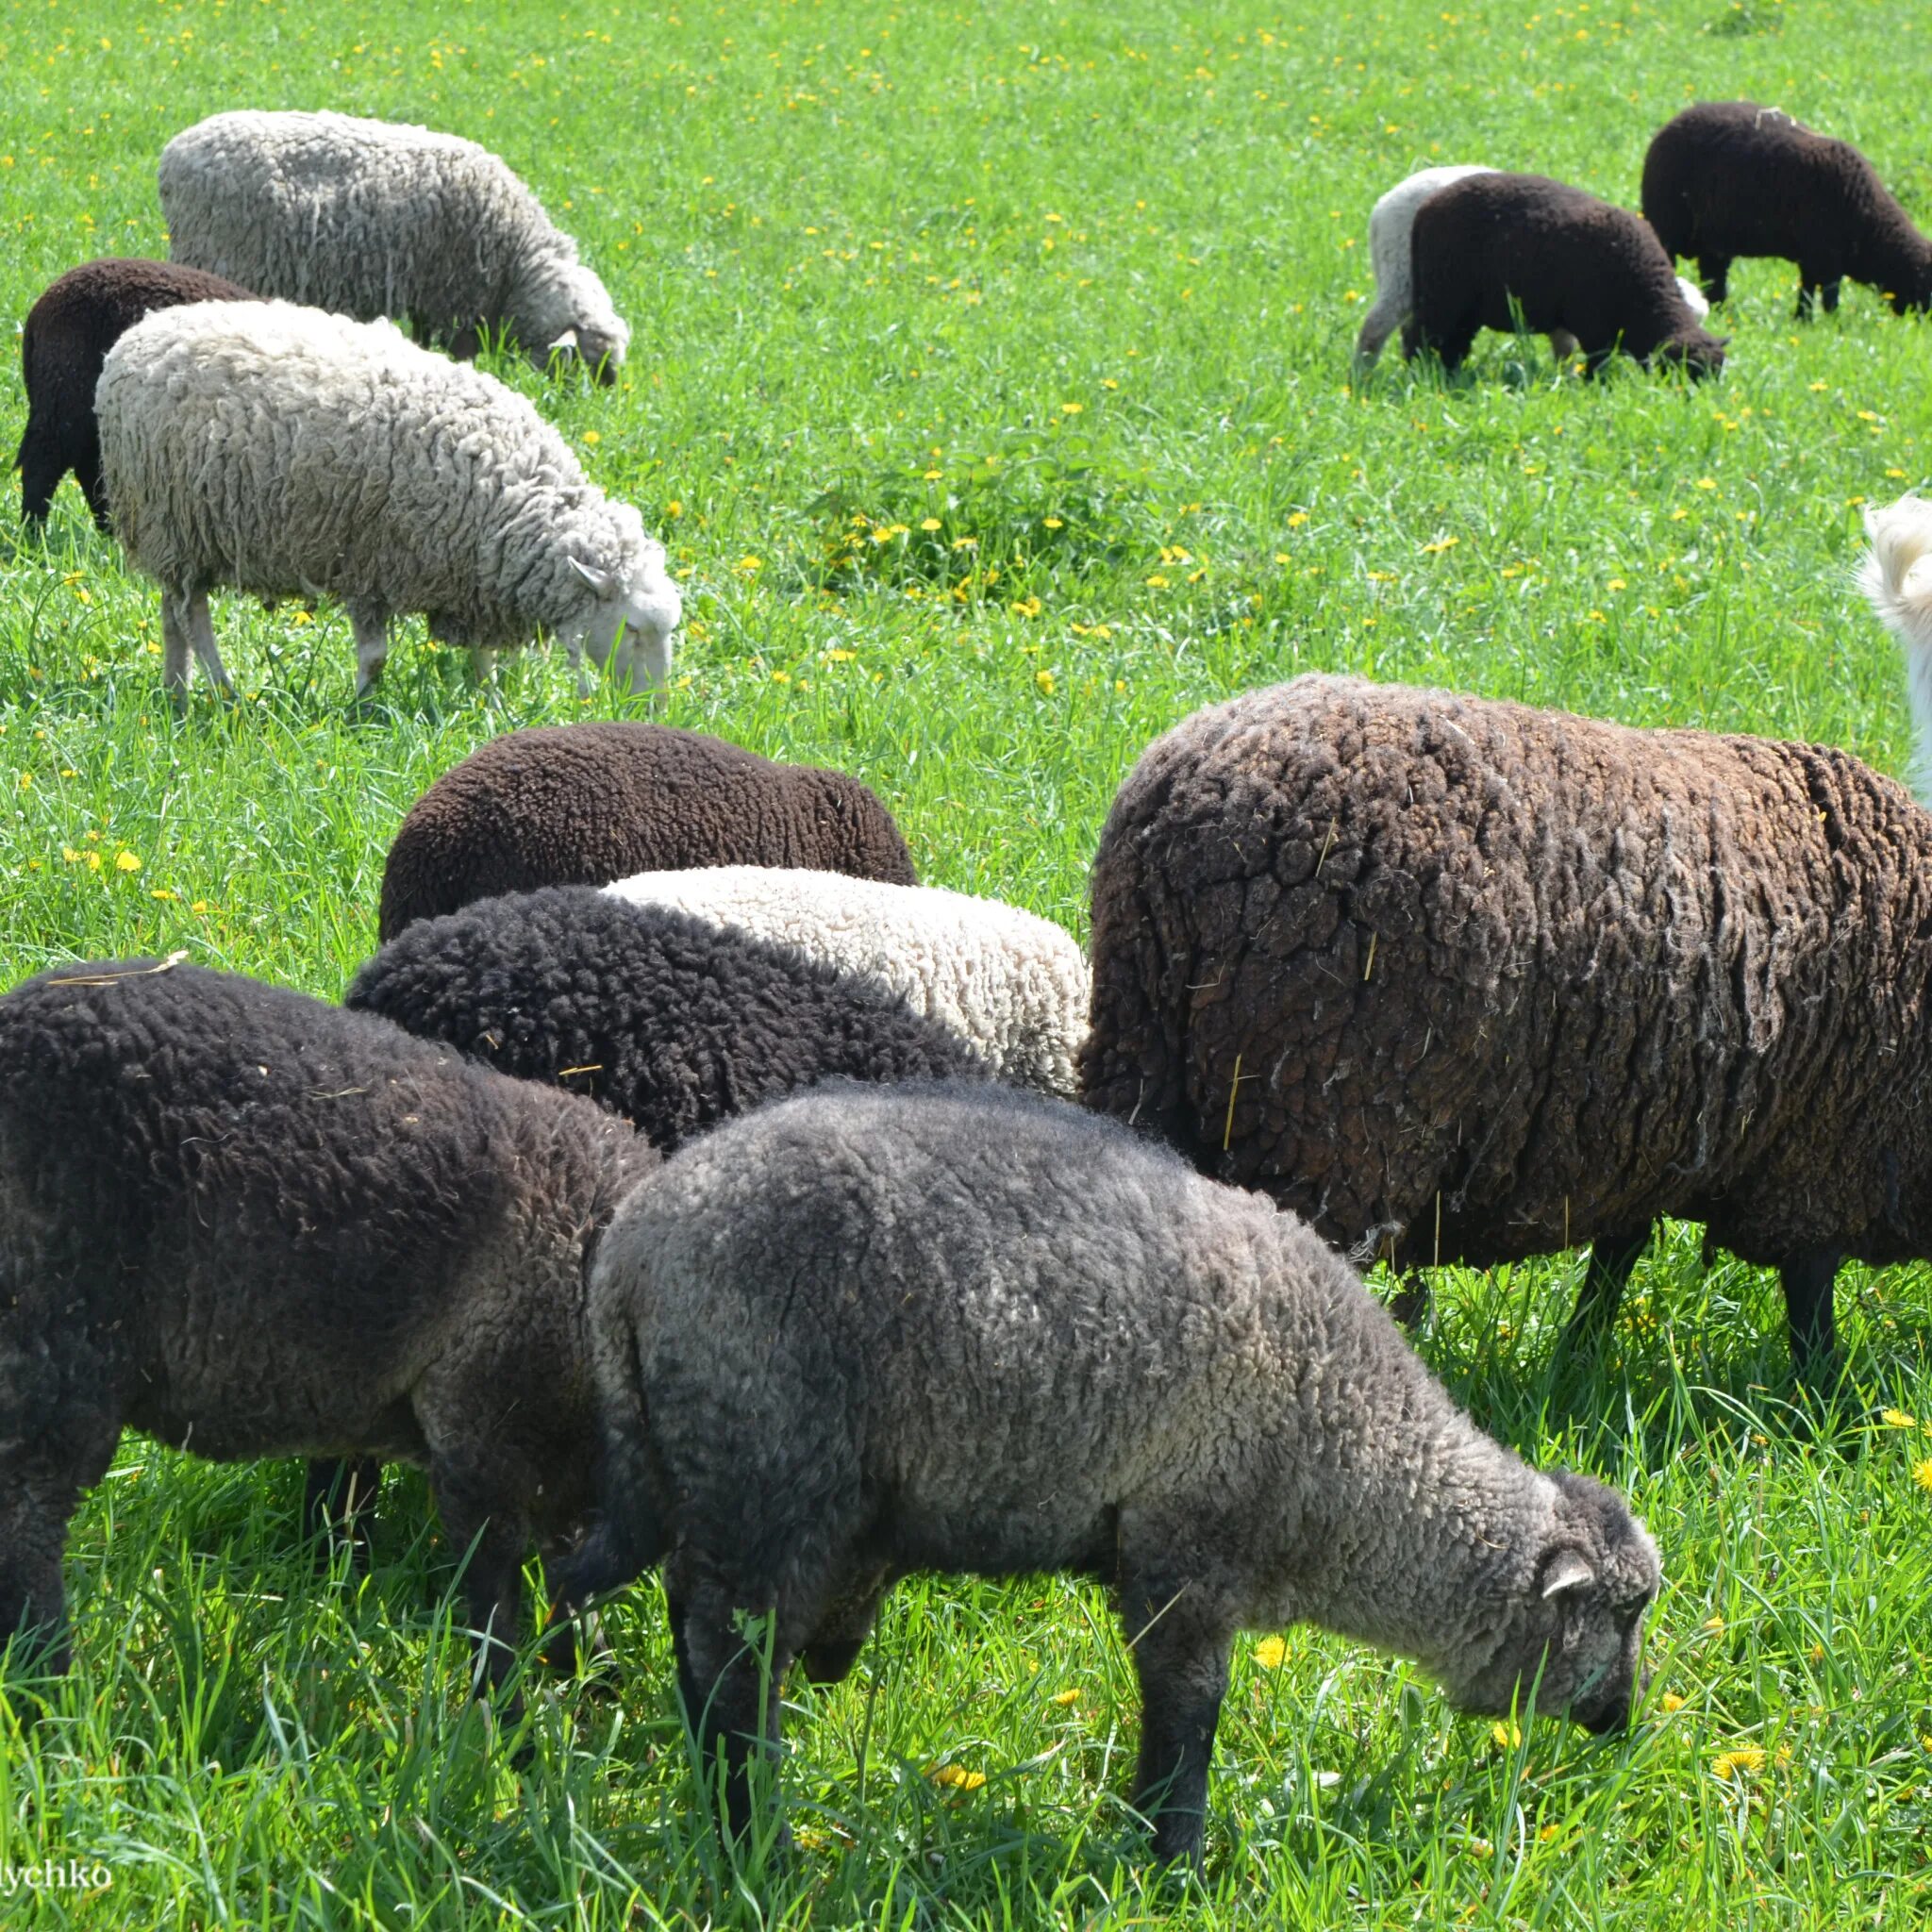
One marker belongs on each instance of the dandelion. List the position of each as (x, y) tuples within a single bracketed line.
[(965, 543), (1545, 1833), (781, 677), (929, 523), (1055, 524), (1481, 1847), (1108, 382), (1027, 606), (840, 657), (674, 509), (806, 1840), (1706, 483), (958, 1776), (1898, 1419), (591, 436), (162, 893), (126, 861), (1746, 1759), (1679, 515), (1271, 1653), (1044, 680), (1441, 544), (1282, 557), (1715, 1626), (1618, 584), (1157, 582), (1921, 1475), (1819, 385), (1672, 1703), (1507, 1737), (1296, 519), (27, 781), (1071, 408), (1065, 1697), (750, 565)]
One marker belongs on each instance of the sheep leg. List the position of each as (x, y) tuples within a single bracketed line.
[(174, 650), (1410, 1306), (729, 1700), (1180, 1656), (369, 624), (1714, 272), (1612, 1259), (829, 1653), (336, 1500), (40, 468), (1562, 345), (87, 472), (483, 664), (1378, 326), (1808, 288), (1831, 294), (475, 1519), (45, 1465), (1808, 1279), (201, 635)]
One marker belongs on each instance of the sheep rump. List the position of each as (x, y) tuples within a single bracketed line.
[(1012, 984), (574, 804), (1463, 981), (68, 332), (251, 1224), (974, 1329), (282, 451), (1730, 178), (374, 218)]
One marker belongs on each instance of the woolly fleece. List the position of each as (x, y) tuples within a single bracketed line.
[(252, 1225), (969, 1329), (373, 218), (586, 804), (1011, 983)]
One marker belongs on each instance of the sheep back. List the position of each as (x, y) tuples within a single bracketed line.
[(68, 332), (1467, 981), (668, 1021), (587, 804)]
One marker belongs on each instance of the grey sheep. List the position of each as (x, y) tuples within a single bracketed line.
[(973, 1330), (1463, 981), (68, 332), (283, 451), (1730, 178), (374, 218), (1503, 250), (569, 805), (252, 1225)]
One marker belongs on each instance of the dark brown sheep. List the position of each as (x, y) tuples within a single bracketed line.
[(1730, 178), (1510, 251), (1463, 981), (584, 805), (79, 317)]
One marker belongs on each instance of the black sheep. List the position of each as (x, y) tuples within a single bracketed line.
[(1730, 178), (249, 1222), (68, 333), (584, 805), (1521, 251)]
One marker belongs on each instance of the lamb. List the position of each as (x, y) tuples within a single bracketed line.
[(1507, 251), (1463, 981), (1730, 179), (280, 450), (1390, 224), (973, 1330), (587, 804), (373, 218), (1013, 984), (78, 318), (251, 1224)]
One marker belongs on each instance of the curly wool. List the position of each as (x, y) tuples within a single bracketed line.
[(1013, 984), (1499, 251), (68, 332), (373, 218), (252, 1225), (668, 1021), (586, 804), (1467, 981), (974, 1329), (283, 451), (1730, 178)]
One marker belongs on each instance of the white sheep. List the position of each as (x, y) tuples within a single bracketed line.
[(1015, 985), (380, 218), (282, 451), (1389, 223)]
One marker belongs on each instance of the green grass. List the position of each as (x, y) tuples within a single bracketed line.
[(1080, 285)]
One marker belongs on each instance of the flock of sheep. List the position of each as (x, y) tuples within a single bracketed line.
[(682, 1184)]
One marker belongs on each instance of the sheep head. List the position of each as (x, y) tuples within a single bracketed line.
[(1575, 1628), (566, 314), (637, 607), (1694, 350)]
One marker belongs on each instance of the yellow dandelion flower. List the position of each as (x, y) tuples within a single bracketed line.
[(928, 522), (1065, 1697), (1545, 1833), (1618, 584), (27, 781), (965, 543), (1055, 524), (1441, 544), (1157, 582), (1027, 606), (162, 893), (674, 509), (94, 861), (838, 656), (126, 861), (1679, 515), (1921, 1475), (750, 565), (1746, 1759), (1481, 1846), (1898, 1419), (1108, 382), (958, 1776), (592, 437), (1071, 408), (1819, 386), (1271, 1653), (1044, 680), (1706, 483), (932, 475), (1671, 1702), (806, 1840), (1508, 1736)]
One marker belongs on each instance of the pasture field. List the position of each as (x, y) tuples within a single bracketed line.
[(990, 386)]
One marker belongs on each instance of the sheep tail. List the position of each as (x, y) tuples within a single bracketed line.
[(1896, 579)]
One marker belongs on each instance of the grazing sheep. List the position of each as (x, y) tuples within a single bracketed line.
[(963, 1329), (1726, 178), (1463, 981), (79, 317), (373, 218), (251, 1224), (1389, 223), (569, 805), (1012, 983), (1503, 250), (281, 451)]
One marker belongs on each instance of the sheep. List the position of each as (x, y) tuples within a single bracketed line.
[(1013, 984), (1462, 981), (374, 218), (1730, 179), (78, 318), (253, 1224), (973, 1330), (280, 450), (585, 804), (1507, 251), (1389, 223)]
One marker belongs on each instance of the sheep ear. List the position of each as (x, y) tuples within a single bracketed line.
[(566, 345), (599, 580), (1566, 1570)]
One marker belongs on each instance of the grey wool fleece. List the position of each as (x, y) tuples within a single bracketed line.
[(962, 1328)]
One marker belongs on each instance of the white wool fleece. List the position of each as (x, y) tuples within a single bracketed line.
[(282, 451), (1896, 579), (1013, 984), (380, 218)]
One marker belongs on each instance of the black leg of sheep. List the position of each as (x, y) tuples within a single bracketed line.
[(337, 1498), (1807, 1279), (1714, 272), (1611, 1259)]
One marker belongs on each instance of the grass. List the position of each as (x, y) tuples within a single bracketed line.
[(1077, 286)]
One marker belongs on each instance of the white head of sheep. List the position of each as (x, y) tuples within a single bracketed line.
[(628, 629)]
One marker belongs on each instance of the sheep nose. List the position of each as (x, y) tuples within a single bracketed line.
[(606, 373)]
